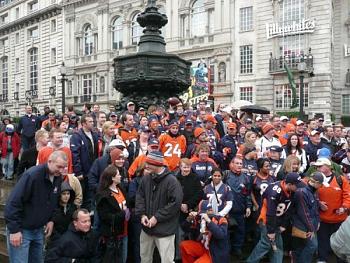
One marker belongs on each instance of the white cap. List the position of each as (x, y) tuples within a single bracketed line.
[(283, 118), (117, 142), (300, 122)]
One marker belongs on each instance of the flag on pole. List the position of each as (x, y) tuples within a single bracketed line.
[(292, 86)]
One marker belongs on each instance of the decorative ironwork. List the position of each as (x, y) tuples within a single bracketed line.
[(276, 65)]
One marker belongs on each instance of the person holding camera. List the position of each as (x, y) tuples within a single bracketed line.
[(212, 246)]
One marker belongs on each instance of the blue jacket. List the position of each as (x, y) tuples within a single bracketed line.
[(241, 189), (311, 150), (96, 170), (218, 245), (27, 126), (33, 200), (306, 216), (230, 142), (82, 159)]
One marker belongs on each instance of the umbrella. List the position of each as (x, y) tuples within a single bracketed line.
[(240, 103), (255, 109)]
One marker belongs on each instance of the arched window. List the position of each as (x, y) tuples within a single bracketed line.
[(198, 18), (117, 31), (88, 40), (5, 83), (33, 69), (136, 30)]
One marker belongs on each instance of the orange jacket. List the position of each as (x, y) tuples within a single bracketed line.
[(44, 153), (335, 197)]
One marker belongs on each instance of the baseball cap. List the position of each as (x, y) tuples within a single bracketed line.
[(320, 119), (10, 128), (130, 103), (117, 143), (141, 109), (153, 141), (258, 118), (299, 122), (284, 118), (276, 148), (323, 161), (210, 118), (293, 178), (323, 153), (318, 177), (198, 131), (314, 132), (144, 129), (232, 125), (248, 120), (188, 122), (113, 114)]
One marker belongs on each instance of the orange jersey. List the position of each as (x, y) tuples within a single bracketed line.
[(335, 197), (172, 148), (128, 136), (44, 153)]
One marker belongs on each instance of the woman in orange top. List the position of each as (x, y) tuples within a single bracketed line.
[(114, 214)]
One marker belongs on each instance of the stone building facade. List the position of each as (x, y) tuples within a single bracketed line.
[(31, 51), (243, 43)]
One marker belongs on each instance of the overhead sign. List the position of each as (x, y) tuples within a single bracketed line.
[(279, 30)]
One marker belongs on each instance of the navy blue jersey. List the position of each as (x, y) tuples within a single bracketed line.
[(259, 186)]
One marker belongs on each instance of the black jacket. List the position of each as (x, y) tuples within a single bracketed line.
[(160, 195), (28, 159), (73, 245), (111, 215), (192, 191)]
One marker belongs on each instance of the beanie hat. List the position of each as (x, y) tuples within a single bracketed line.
[(155, 158), (116, 154), (198, 131), (9, 128), (210, 118), (267, 127)]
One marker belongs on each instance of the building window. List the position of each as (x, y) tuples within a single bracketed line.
[(246, 56), (87, 84), (102, 84), (246, 93), (53, 82), (70, 88), (17, 65), (33, 32), (17, 12), (17, 38), (136, 30), (211, 21), (53, 25), (53, 56), (184, 26), (198, 19), (246, 19), (284, 99), (291, 11), (33, 69), (4, 70), (88, 41), (346, 104), (4, 19), (33, 6), (117, 31), (4, 42)]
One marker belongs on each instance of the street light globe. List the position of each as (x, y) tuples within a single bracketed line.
[(302, 66), (63, 69)]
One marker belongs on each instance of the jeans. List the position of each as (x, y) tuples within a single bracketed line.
[(165, 247), (7, 165), (264, 246), (124, 249), (306, 250), (27, 142), (31, 249), (238, 234)]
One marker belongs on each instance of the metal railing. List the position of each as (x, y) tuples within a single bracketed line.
[(276, 65)]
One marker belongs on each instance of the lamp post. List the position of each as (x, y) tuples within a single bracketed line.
[(63, 72), (302, 70)]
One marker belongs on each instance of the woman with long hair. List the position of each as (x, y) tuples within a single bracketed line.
[(294, 147), (249, 141), (290, 165), (111, 205)]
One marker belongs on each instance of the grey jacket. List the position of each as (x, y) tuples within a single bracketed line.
[(340, 241), (160, 195)]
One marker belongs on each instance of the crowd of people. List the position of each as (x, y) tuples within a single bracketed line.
[(175, 184)]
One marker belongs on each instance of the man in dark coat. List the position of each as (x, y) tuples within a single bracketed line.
[(158, 203), (78, 243)]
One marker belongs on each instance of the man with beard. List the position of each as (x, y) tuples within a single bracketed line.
[(187, 131), (172, 145)]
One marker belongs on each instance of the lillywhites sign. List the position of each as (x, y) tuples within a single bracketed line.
[(279, 30)]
